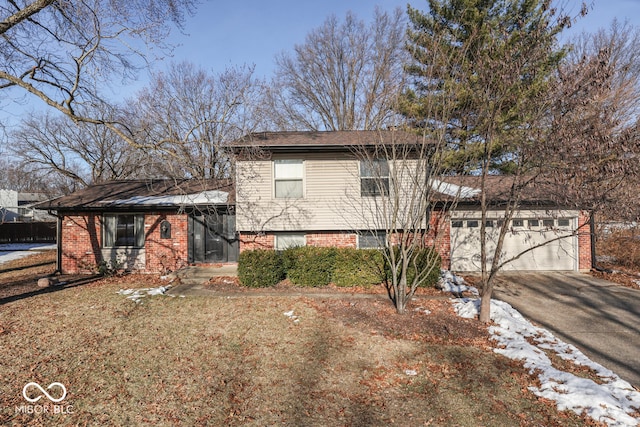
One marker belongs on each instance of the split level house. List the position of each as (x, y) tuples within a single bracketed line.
[(310, 188)]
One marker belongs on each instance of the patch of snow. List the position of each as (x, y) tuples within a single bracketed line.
[(212, 197), (611, 402), (292, 316), (136, 295), (422, 310), (453, 189), (13, 251), (449, 282)]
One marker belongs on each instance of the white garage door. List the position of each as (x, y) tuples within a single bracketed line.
[(525, 232)]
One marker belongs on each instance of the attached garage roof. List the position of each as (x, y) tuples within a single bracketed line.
[(466, 190), (145, 194)]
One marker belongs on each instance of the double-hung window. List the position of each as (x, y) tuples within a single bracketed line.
[(288, 179), (374, 177), (123, 230)]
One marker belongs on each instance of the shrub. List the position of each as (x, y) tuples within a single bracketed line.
[(358, 267), (310, 265), (260, 268), (421, 260)]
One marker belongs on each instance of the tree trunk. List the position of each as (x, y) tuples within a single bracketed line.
[(401, 295), (485, 302)]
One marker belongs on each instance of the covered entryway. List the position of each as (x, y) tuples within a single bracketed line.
[(212, 237), (553, 239)]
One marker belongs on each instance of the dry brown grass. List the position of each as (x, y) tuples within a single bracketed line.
[(240, 361)]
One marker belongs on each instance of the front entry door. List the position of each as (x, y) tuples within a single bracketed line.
[(212, 238)]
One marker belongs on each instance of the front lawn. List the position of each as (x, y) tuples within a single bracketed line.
[(242, 361)]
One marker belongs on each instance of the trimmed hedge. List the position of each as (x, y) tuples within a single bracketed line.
[(424, 259), (318, 266), (260, 268), (358, 267), (310, 265)]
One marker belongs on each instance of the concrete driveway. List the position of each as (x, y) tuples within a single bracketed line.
[(601, 318)]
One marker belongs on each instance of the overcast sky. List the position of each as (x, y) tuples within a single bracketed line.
[(252, 32)]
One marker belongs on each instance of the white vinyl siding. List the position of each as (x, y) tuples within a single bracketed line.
[(331, 199)]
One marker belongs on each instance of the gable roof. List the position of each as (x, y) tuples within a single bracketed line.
[(145, 194), (325, 140)]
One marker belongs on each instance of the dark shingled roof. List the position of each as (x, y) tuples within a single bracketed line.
[(146, 194), (275, 141), (497, 187)]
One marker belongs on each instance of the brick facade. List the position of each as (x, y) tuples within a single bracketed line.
[(82, 243), (164, 255), (328, 239), (438, 237), (584, 241)]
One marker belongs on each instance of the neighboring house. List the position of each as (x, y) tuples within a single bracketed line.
[(310, 188), (18, 207), (147, 225)]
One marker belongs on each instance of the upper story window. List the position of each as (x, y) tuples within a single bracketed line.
[(288, 179), (374, 177), (123, 230)]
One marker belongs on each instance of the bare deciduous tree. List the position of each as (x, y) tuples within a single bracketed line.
[(78, 154), (63, 51), (400, 202), (346, 76), (592, 150), (188, 116)]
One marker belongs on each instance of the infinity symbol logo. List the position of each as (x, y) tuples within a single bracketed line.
[(36, 385)]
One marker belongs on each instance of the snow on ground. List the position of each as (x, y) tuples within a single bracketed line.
[(610, 400), (13, 251), (137, 295)]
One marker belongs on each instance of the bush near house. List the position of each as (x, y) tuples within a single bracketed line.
[(358, 267), (310, 265), (260, 268), (421, 260), (318, 266)]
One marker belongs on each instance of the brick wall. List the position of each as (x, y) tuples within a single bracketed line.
[(251, 241), (81, 243), (335, 239), (163, 255), (584, 242), (439, 237)]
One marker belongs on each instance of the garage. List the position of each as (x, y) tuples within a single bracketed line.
[(550, 233)]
